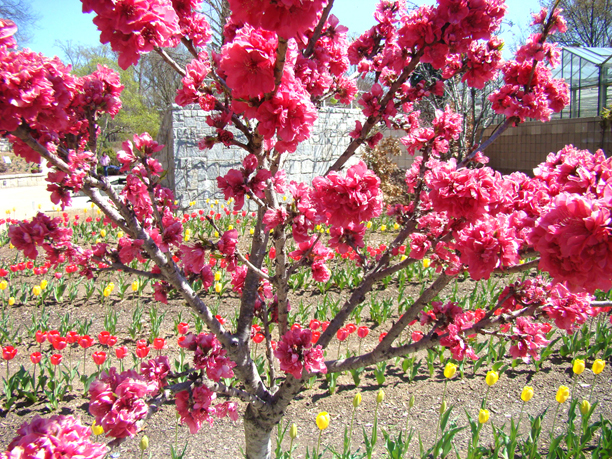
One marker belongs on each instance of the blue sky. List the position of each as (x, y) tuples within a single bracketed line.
[(63, 20)]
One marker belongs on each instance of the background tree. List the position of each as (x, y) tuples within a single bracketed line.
[(589, 22), (22, 14)]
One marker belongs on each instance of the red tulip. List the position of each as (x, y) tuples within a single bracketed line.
[(342, 334), (99, 357), (112, 340), (362, 332), (142, 351), (220, 319), (72, 337), (352, 328), (417, 335), (3, 272), (381, 337), (56, 359), (159, 344), (59, 343), (121, 352), (273, 344), (180, 340), (35, 357), (314, 324), (51, 335), (9, 352), (142, 342), (103, 337), (41, 336), (324, 325), (86, 341), (258, 338), (183, 328), (315, 337), (296, 327)]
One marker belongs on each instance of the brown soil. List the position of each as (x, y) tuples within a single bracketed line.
[(226, 438)]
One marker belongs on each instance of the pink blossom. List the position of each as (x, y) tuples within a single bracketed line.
[(57, 437), (117, 401), (295, 353), (574, 238), (194, 407), (527, 338), (344, 239), (568, 310), (353, 198), (155, 371)]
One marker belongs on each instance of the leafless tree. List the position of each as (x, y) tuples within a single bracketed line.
[(21, 13), (589, 22), (217, 12)]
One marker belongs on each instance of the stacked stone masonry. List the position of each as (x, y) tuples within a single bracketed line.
[(192, 173)]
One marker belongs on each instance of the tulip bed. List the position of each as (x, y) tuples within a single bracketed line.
[(59, 331)]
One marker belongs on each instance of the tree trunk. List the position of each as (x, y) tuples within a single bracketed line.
[(257, 433)]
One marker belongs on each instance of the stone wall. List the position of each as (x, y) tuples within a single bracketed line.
[(192, 172), (524, 147)]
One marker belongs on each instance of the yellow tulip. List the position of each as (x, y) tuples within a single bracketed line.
[(492, 377), (96, 429), (562, 394), (11, 246), (284, 198), (230, 227), (369, 225), (449, 370), (251, 231), (36, 290), (106, 292), (3, 285), (218, 276), (216, 234), (207, 200), (357, 400), (585, 407), (135, 286), (578, 366), (218, 287), (527, 393), (380, 396), (98, 240), (39, 206), (483, 416), (144, 443), (383, 228), (103, 232), (293, 431), (216, 201), (598, 366), (11, 301), (426, 263), (186, 238), (111, 285), (396, 226), (43, 284), (323, 420), (119, 234)]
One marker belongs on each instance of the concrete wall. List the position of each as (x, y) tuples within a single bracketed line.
[(524, 147), (192, 172)]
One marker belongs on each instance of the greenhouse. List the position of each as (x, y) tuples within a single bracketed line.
[(588, 71)]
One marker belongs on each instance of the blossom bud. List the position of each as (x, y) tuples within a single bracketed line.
[(411, 402), (323, 420), (144, 443), (380, 396), (443, 407), (537, 424), (449, 370), (357, 400), (527, 393), (492, 377), (585, 407), (483, 416), (578, 366), (598, 366), (293, 431), (562, 394)]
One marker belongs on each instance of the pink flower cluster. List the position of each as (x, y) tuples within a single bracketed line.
[(527, 339), (288, 18), (209, 355), (195, 407), (40, 231), (353, 198), (134, 27), (56, 437), (296, 353), (238, 183), (117, 401)]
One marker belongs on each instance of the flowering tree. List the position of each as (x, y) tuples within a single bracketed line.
[(278, 61)]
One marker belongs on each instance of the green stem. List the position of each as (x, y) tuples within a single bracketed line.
[(592, 387), (520, 416), (440, 414), (319, 443), (484, 400), (351, 429), (552, 432)]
